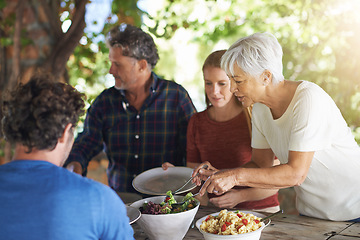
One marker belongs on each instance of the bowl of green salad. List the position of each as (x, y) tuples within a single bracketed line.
[(161, 218)]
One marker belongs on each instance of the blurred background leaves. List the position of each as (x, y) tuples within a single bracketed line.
[(320, 40)]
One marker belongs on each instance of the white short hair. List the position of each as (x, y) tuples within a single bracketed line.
[(254, 54)]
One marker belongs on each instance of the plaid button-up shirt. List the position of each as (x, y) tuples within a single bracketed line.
[(135, 141)]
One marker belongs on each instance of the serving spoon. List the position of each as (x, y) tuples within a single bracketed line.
[(271, 215)]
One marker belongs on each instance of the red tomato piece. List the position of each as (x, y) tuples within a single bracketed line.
[(223, 227), (227, 223), (207, 219), (245, 221), (239, 215), (256, 221)]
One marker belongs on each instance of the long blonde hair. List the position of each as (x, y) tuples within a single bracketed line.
[(214, 60)]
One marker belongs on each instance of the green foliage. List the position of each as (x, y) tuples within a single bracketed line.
[(2, 4), (320, 40), (6, 28), (126, 8), (6, 41), (89, 64)]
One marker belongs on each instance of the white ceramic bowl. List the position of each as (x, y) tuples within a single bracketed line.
[(255, 235), (165, 226)]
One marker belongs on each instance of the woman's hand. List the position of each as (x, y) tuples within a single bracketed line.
[(166, 165), (203, 173), (229, 200), (220, 182)]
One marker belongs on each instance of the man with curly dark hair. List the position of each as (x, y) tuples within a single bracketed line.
[(39, 199), (141, 122)]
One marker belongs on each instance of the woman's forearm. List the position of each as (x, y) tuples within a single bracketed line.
[(290, 174), (281, 176)]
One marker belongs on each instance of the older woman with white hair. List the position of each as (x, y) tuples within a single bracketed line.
[(299, 123)]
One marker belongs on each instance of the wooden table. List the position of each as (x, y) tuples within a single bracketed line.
[(283, 226)]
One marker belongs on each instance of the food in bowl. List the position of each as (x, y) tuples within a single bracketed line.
[(165, 226), (168, 206), (231, 223)]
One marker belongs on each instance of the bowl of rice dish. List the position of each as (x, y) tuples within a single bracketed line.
[(159, 222), (235, 224)]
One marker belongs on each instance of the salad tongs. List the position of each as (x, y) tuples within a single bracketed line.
[(204, 166), (178, 204)]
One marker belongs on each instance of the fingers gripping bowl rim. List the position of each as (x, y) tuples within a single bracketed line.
[(254, 235)]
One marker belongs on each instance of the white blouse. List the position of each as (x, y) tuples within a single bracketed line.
[(313, 122)]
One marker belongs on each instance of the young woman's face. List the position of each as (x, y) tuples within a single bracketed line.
[(217, 86)]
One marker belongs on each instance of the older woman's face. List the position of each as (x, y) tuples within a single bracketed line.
[(217, 86), (246, 88)]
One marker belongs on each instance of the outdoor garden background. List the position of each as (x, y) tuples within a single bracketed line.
[(320, 40)]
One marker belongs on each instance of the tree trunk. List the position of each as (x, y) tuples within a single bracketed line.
[(44, 15), (56, 62), (16, 64)]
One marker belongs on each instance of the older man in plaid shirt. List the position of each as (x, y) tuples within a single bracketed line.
[(140, 122)]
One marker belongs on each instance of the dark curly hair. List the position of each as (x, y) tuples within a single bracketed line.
[(35, 114), (134, 43)]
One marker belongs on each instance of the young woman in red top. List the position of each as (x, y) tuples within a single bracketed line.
[(220, 136)]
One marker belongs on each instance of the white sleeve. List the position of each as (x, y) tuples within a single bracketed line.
[(258, 140), (313, 120)]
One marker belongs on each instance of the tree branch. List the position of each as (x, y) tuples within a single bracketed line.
[(52, 17), (56, 62), (79, 19), (15, 73)]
